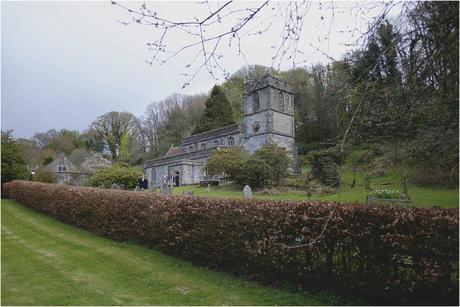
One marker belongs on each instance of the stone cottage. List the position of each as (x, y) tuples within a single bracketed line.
[(62, 168), (268, 118)]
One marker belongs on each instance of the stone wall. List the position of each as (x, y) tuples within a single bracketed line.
[(282, 123), (261, 118), (255, 142), (190, 172)]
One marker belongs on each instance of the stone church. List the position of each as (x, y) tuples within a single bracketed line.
[(268, 118)]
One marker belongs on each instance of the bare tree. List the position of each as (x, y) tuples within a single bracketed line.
[(167, 122), (230, 24)]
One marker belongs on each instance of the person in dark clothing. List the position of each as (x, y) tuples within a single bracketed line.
[(145, 183), (140, 182), (176, 178)]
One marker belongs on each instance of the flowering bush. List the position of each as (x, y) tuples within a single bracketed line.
[(386, 194), (94, 163), (384, 254)]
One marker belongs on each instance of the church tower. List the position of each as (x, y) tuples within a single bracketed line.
[(269, 115)]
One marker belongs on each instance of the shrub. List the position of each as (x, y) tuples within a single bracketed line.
[(434, 149), (256, 173), (264, 168), (227, 162), (277, 160), (44, 176), (120, 173), (387, 255), (325, 166)]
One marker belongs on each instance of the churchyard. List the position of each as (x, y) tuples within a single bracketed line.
[(421, 196)]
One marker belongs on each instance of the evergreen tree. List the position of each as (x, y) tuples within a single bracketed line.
[(218, 112), (13, 162)]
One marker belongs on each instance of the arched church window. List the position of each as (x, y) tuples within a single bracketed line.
[(230, 141), (64, 169), (216, 143), (256, 103), (153, 175), (280, 101), (202, 146), (191, 148), (59, 168)]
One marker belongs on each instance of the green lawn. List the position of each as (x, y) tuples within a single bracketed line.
[(420, 196), (45, 262)]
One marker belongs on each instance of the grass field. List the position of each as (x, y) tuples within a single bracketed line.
[(45, 262), (420, 196)]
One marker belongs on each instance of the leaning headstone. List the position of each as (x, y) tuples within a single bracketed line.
[(115, 186), (367, 183), (247, 192)]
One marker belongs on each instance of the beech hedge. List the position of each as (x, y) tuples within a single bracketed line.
[(382, 254)]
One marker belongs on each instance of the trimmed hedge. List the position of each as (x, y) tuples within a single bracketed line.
[(385, 255)]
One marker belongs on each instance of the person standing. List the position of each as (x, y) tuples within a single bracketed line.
[(145, 183), (176, 178), (140, 182)]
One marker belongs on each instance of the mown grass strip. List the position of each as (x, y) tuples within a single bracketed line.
[(45, 262)]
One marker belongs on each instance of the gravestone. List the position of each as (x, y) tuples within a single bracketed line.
[(115, 186), (166, 186), (208, 188), (367, 183), (247, 192), (405, 193), (187, 193)]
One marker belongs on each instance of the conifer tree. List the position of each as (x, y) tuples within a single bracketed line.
[(218, 112)]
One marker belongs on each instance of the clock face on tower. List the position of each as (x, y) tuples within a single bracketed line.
[(256, 127)]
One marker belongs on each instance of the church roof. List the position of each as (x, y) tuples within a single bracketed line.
[(230, 129), (174, 151), (194, 155)]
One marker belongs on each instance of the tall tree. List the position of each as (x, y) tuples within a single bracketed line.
[(234, 90), (111, 127), (42, 139), (13, 162), (169, 121), (218, 112)]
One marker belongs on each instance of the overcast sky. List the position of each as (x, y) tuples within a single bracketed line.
[(63, 64)]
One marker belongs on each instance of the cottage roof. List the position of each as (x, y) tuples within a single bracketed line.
[(211, 134), (61, 161)]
